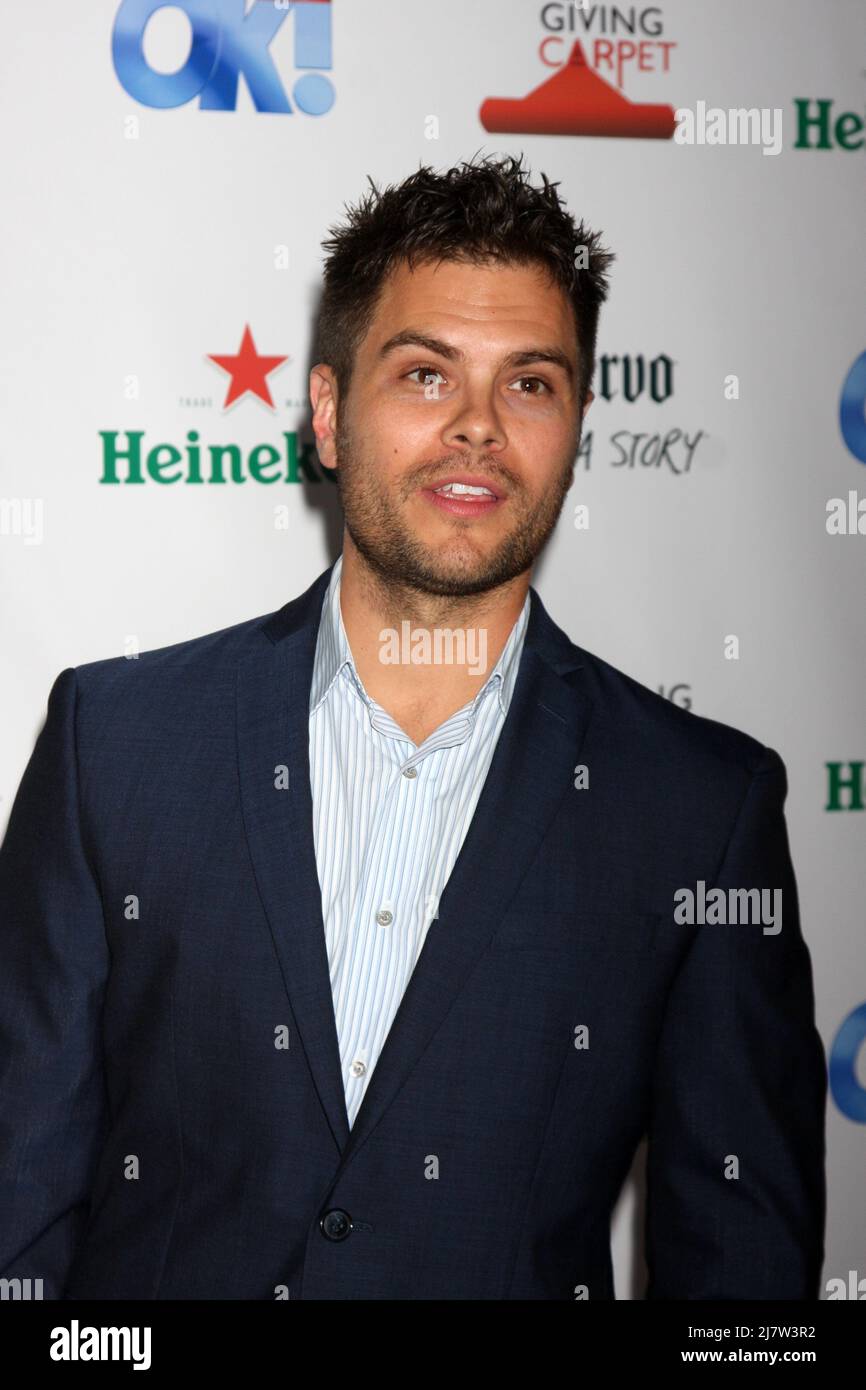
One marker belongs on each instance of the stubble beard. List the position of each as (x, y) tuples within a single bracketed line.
[(400, 558)]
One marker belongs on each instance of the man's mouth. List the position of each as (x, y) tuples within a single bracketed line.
[(463, 489), (465, 498)]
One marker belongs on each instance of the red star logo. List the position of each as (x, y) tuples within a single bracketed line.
[(248, 371)]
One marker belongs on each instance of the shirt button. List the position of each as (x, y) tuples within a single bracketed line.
[(358, 1068), (410, 772), (384, 917)]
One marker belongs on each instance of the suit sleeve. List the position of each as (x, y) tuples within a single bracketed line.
[(735, 1165), (53, 966)]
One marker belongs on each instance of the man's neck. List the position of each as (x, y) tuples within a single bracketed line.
[(479, 622)]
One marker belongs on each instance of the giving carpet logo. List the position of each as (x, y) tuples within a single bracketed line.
[(584, 94), (128, 457)]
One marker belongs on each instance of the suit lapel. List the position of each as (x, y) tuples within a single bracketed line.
[(273, 697), (531, 770)]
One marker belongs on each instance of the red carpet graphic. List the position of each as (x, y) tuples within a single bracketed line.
[(576, 101)]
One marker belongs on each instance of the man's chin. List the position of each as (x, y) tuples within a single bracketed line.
[(452, 568), (459, 579)]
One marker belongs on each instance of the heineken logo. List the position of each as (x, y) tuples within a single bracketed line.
[(126, 458), (247, 370), (820, 126)]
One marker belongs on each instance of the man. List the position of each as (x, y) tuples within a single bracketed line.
[(342, 950)]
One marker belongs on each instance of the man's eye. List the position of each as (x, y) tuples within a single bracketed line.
[(536, 379), (425, 371)]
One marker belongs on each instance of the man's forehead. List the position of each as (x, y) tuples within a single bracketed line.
[(468, 291)]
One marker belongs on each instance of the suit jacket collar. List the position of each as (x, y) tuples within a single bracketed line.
[(299, 618)]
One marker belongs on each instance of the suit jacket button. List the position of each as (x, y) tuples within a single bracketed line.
[(335, 1224)]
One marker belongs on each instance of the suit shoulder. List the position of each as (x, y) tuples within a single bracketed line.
[(180, 664), (653, 727)]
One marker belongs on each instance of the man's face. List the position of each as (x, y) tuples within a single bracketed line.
[(466, 371)]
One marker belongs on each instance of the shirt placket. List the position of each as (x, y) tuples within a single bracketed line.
[(383, 920)]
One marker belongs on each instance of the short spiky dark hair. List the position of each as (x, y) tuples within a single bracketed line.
[(476, 212)]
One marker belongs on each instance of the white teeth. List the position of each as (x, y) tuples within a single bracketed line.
[(458, 488)]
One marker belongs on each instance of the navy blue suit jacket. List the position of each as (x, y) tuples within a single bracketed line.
[(160, 923)]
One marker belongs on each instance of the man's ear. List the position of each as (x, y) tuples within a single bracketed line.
[(323, 398), (590, 397)]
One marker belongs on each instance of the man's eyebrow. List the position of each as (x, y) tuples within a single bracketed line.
[(411, 337)]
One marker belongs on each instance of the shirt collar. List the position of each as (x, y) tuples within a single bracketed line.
[(333, 653)]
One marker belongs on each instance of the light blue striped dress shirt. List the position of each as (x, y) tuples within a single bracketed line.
[(389, 819)]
